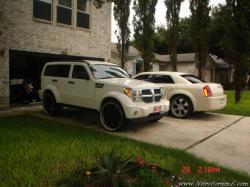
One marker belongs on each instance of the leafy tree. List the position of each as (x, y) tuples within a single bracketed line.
[(185, 44), (144, 22), (161, 40), (216, 31), (236, 44), (172, 15), (200, 22), (121, 15)]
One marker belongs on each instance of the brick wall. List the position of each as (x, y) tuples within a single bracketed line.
[(19, 31)]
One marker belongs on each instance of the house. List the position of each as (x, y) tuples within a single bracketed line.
[(33, 32), (133, 60), (215, 70)]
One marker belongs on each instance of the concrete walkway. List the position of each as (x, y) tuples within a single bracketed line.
[(219, 138)]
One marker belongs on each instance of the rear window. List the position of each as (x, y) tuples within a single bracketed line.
[(57, 71), (166, 79), (193, 79)]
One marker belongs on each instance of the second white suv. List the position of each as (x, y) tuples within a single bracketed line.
[(104, 87)]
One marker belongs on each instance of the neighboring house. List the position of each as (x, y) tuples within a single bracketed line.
[(215, 70), (133, 60), (33, 32)]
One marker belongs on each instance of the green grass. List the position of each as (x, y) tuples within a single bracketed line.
[(38, 152), (242, 108)]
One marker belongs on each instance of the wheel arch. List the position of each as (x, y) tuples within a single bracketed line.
[(52, 91)]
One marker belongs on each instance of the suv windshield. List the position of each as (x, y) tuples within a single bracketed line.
[(193, 79), (102, 71)]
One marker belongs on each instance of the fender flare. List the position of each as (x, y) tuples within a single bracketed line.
[(54, 91), (120, 97)]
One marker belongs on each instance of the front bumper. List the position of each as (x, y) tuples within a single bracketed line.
[(145, 110), (211, 103)]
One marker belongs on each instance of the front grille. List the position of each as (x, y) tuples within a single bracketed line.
[(157, 98), (146, 92), (157, 91), (151, 95), (147, 99)]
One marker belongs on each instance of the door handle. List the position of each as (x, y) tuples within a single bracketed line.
[(71, 82), (54, 80)]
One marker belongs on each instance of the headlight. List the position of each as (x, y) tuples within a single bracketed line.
[(128, 92), (132, 94)]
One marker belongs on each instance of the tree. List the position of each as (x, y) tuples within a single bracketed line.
[(200, 22), (161, 40), (172, 15), (236, 44), (121, 15), (144, 22), (185, 43)]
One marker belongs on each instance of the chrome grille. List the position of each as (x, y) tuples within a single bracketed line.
[(151, 95)]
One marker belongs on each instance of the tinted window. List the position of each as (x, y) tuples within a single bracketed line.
[(79, 72), (101, 71), (64, 12), (57, 71), (166, 79), (143, 77), (42, 9), (193, 79)]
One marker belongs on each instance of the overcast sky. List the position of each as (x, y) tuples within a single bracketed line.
[(160, 14)]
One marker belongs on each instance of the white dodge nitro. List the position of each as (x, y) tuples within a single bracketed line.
[(104, 87)]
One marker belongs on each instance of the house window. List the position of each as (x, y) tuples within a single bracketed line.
[(42, 9), (64, 12), (83, 13)]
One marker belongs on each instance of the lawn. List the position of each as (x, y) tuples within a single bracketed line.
[(38, 152), (242, 108)]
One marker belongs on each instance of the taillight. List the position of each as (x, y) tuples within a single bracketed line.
[(207, 91)]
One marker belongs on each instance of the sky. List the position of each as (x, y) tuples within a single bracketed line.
[(160, 14)]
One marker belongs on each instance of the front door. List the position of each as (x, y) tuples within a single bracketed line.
[(81, 88)]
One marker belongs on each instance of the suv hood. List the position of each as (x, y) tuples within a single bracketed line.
[(128, 83)]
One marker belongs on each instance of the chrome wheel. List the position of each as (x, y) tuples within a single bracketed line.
[(181, 107), (112, 116)]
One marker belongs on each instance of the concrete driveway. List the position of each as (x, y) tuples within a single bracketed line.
[(224, 139)]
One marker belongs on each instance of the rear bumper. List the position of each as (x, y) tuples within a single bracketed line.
[(211, 103), (145, 110)]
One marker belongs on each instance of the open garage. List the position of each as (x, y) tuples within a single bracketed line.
[(25, 71)]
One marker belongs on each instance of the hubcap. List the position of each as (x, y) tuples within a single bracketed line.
[(179, 107), (111, 116)]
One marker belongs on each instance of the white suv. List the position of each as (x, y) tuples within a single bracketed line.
[(104, 87)]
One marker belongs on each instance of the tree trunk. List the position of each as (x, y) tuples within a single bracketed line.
[(122, 53), (199, 65), (237, 82)]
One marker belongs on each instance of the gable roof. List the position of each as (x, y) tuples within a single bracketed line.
[(184, 57), (132, 52)]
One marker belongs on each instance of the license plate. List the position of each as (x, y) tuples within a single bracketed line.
[(157, 109)]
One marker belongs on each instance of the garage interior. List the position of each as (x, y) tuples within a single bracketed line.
[(25, 71)]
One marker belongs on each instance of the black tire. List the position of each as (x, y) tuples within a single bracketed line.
[(112, 115), (49, 104), (181, 106)]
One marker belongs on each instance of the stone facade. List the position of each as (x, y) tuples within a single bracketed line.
[(20, 31)]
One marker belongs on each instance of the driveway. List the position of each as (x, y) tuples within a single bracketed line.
[(224, 139)]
